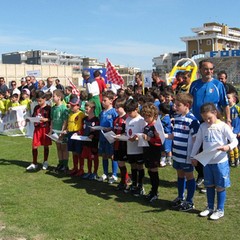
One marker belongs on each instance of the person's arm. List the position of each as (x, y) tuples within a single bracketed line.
[(227, 115)]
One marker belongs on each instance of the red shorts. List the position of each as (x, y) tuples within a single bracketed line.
[(40, 138), (88, 153)]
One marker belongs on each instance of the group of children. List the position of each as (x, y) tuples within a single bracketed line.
[(124, 116)]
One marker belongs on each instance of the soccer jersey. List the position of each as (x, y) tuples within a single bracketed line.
[(107, 118), (205, 92), (119, 128), (185, 128), (75, 121), (26, 102), (42, 112), (133, 127), (59, 114), (209, 135), (166, 123)]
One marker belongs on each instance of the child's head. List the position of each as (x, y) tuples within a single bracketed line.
[(1, 95), (131, 108), (107, 99), (25, 93), (90, 107), (48, 95), (57, 96), (168, 96), (164, 108), (119, 106), (14, 98), (41, 98), (68, 90), (120, 92), (150, 112), (83, 95), (232, 98), (183, 102), (209, 113), (74, 103)]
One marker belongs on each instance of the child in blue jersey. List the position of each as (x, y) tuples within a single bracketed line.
[(214, 133), (152, 153), (166, 158), (234, 115), (106, 118), (184, 131)]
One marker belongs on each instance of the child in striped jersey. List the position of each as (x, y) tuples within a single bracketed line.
[(184, 131)]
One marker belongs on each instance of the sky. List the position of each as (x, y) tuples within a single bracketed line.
[(127, 32)]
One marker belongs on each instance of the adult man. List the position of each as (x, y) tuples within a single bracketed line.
[(41, 85), (205, 90), (15, 89), (101, 83), (34, 82), (222, 76), (158, 82), (59, 85), (3, 86), (49, 87), (92, 89), (23, 84)]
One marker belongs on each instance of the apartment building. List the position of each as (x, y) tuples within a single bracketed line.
[(212, 37)]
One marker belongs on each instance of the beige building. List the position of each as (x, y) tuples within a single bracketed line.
[(212, 37)]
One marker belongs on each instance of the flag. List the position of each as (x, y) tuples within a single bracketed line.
[(112, 75), (74, 88)]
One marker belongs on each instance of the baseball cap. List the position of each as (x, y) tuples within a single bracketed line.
[(74, 101), (26, 90)]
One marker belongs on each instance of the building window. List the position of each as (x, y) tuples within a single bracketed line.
[(209, 42), (194, 52)]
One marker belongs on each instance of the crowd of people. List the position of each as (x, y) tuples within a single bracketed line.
[(196, 116)]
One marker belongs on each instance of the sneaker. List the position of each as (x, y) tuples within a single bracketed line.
[(45, 165), (112, 179), (130, 189), (199, 181), (63, 169), (232, 164), (169, 162), (203, 190), (93, 176), (139, 191), (186, 206), (177, 202), (217, 214), (206, 212), (151, 197), (121, 186), (32, 167), (86, 175), (163, 164), (73, 172), (236, 162), (80, 173), (102, 178)]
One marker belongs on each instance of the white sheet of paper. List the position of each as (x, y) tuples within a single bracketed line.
[(205, 156), (34, 119), (97, 128), (159, 128), (109, 136), (121, 138), (141, 141), (81, 138), (57, 131), (54, 137)]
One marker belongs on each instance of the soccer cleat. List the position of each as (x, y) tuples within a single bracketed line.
[(199, 181), (93, 176), (102, 178), (32, 167), (151, 197), (112, 179), (63, 169), (130, 189), (169, 162), (86, 175), (206, 212), (80, 173), (73, 172), (217, 214), (163, 164), (236, 162), (186, 206), (139, 191), (45, 165), (177, 202)]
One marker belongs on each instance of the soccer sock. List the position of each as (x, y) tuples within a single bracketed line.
[(169, 159), (65, 162), (96, 163), (89, 164), (75, 161), (123, 171), (210, 197), (181, 183), (46, 153), (114, 168), (140, 177), (155, 182), (163, 159), (134, 177), (35, 155), (105, 166), (191, 187), (221, 197), (81, 162), (151, 179)]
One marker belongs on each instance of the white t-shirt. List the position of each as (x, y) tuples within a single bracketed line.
[(134, 126)]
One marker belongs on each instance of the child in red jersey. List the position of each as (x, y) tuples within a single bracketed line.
[(41, 128)]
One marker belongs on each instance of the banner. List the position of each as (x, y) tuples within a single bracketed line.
[(13, 123)]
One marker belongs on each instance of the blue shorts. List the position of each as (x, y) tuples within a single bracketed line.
[(105, 148), (167, 146), (186, 167), (217, 174), (74, 145)]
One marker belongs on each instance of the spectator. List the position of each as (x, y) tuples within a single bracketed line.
[(3, 86)]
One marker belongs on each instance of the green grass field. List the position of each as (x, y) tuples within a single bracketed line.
[(43, 205)]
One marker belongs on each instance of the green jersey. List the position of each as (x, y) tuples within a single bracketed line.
[(59, 114)]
